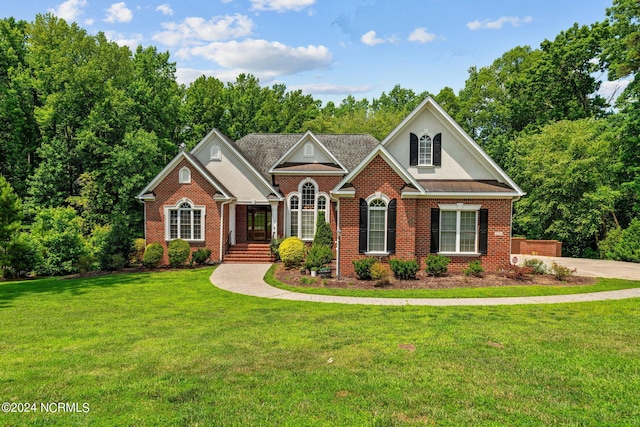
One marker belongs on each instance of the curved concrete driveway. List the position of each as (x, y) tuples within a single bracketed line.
[(247, 279)]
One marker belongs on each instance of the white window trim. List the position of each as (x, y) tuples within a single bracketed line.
[(167, 220), (184, 175), (375, 196), (458, 208), (298, 193), (427, 134), (216, 154), (308, 150)]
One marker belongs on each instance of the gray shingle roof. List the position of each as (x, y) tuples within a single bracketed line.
[(263, 150)]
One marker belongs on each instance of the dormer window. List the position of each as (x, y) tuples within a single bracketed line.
[(184, 176), (425, 148), (215, 153), (308, 150)]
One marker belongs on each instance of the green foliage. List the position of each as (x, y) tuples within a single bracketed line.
[(474, 268), (536, 265), (58, 238), (307, 281), (437, 265), (381, 273), (116, 246), (324, 235), (178, 252), (318, 256), (153, 255), (404, 269), (21, 257), (363, 267), (560, 272), (138, 251), (274, 247), (201, 256), (622, 244), (292, 252), (10, 221)]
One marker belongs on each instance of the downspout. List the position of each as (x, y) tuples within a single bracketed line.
[(222, 227), (338, 232)]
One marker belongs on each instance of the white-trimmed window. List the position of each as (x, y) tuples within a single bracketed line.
[(377, 226), (303, 207), (459, 228), (215, 153), (184, 221), (425, 150), (308, 150), (184, 176)]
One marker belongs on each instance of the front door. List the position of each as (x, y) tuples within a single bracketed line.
[(258, 223)]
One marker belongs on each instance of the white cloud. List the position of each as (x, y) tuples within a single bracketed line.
[(611, 90), (131, 40), (263, 58), (165, 9), (69, 10), (369, 38), (498, 23), (194, 30), (281, 5), (118, 12), (421, 35), (331, 89), (188, 75), (89, 21)]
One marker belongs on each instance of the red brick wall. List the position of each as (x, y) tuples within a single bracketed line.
[(413, 228), (537, 247), (200, 192)]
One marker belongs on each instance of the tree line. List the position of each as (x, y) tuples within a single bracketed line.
[(86, 123)]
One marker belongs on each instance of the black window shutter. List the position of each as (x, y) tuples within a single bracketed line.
[(413, 149), (364, 220), (435, 230), (437, 150), (483, 239), (391, 227)]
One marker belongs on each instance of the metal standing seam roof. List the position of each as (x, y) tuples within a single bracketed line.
[(464, 186), (263, 150)]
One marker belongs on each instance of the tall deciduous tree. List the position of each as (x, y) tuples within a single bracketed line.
[(10, 218)]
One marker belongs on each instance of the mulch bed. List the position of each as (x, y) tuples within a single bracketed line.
[(292, 277)]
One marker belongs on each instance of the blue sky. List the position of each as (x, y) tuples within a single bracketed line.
[(328, 48)]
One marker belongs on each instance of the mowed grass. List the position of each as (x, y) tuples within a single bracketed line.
[(527, 289), (168, 348)]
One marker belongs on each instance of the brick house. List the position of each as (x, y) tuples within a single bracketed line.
[(426, 188)]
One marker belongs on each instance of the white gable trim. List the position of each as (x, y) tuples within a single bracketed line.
[(391, 161), (172, 165), (231, 147), (473, 146), (299, 143)]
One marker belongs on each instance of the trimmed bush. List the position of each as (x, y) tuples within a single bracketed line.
[(363, 267), (536, 265), (560, 272), (138, 251), (292, 252), (324, 235), (474, 268), (318, 256), (437, 265), (153, 255), (178, 252), (404, 269), (380, 273), (200, 256)]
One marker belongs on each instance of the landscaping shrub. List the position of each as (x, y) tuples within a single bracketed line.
[(324, 235), (363, 267), (474, 268), (622, 245), (200, 256), (274, 247), (404, 269), (21, 257), (139, 246), (318, 256), (380, 273), (437, 265), (178, 252), (516, 272), (153, 255), (560, 272), (536, 265), (292, 252), (117, 247)]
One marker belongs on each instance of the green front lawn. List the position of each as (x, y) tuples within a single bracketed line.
[(168, 348)]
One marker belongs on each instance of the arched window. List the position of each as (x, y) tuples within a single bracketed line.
[(377, 225), (215, 152), (185, 222), (303, 208), (424, 150), (184, 176), (308, 150)]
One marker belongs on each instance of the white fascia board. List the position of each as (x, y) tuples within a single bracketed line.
[(299, 143)]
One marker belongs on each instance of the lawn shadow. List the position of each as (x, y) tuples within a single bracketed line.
[(11, 290)]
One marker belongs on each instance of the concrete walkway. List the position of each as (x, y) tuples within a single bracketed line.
[(591, 267), (247, 279)]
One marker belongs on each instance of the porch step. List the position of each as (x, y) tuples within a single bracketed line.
[(249, 253)]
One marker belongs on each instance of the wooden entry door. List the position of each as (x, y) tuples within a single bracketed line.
[(259, 223)]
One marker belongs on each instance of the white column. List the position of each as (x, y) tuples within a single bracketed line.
[(274, 218), (232, 222)]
